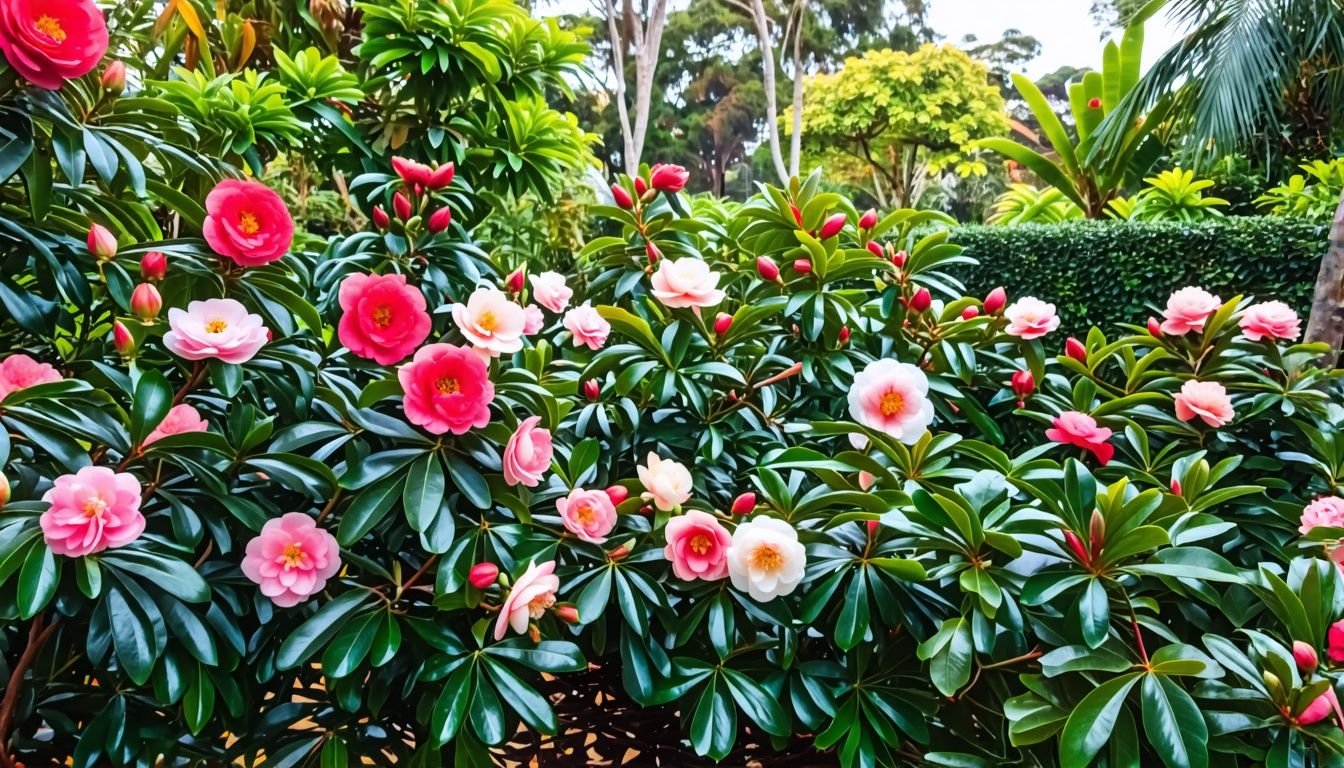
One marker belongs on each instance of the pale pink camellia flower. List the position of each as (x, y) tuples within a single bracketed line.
[(667, 483), (92, 510), (766, 560), (866, 479), (590, 515), (1188, 309), (247, 222), (892, 397), (180, 420), (383, 318), (1080, 430), (1030, 318), (446, 389), (532, 595), (528, 453), (1327, 511), (550, 291), (291, 559), (220, 329), (1205, 399), (490, 321), (697, 546), (533, 320), (1271, 320), (587, 327), (686, 282), (19, 371)]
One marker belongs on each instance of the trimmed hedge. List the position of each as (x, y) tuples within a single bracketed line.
[(1097, 271)]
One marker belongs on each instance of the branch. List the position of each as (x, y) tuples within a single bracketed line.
[(38, 635)]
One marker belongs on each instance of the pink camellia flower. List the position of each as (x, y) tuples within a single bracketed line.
[(220, 329), (19, 371), (491, 322), (291, 559), (47, 43), (590, 515), (527, 455), (92, 510), (532, 595), (1030, 318), (181, 419), (587, 327), (533, 320), (447, 389), (383, 319), (666, 177), (667, 483), (1081, 430), (1187, 310), (1327, 511), (550, 291), (892, 397), (1271, 320), (686, 282), (1334, 642), (697, 546), (1205, 399), (247, 222)]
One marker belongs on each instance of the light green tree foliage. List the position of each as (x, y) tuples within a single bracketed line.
[(888, 119), (1172, 195)]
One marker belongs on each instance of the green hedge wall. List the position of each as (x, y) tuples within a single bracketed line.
[(1106, 272)]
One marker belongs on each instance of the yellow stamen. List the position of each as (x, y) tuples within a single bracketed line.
[(447, 386), (892, 404), (700, 544), (767, 558), (216, 326), (487, 321), (382, 317), (536, 607), (51, 27), (247, 222), (584, 514), (293, 555), (94, 507)]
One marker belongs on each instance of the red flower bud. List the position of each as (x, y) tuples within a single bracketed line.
[(651, 250), (1154, 328), (102, 243), (146, 302), (153, 266), (123, 340), (401, 205), (640, 186), (4, 490), (1305, 656), (483, 575), (411, 172), (617, 494), (899, 258), (619, 553), (440, 219), (441, 176), (592, 390), (668, 178), (622, 197), (1076, 546), (921, 300), (1175, 487), (995, 301), (722, 322), (802, 266), (765, 267), (843, 336), (744, 504), (113, 79), (970, 313), (872, 526), (1334, 642), (797, 215), (1094, 103), (380, 219), (874, 248), (567, 613), (1023, 384), (1075, 349), (1320, 708), (832, 226), (868, 220), (514, 282)]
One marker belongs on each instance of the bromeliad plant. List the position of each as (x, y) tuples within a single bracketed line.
[(764, 462)]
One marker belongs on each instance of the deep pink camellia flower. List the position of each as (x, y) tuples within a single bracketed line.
[(447, 389), (697, 546), (590, 515), (1081, 430), (181, 419), (892, 397), (1326, 511), (291, 559), (1207, 400), (528, 453), (219, 329), (19, 371), (668, 178), (247, 222), (383, 318), (92, 510), (50, 42), (1334, 642), (1187, 310), (532, 595), (587, 327), (1271, 320)]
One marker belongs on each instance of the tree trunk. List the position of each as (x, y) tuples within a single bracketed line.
[(796, 138), (1327, 305), (768, 67), (646, 40)]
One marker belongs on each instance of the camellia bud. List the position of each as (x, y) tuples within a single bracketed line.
[(4, 490), (722, 322), (567, 613), (413, 174), (619, 553), (995, 301), (617, 494), (440, 219), (797, 215), (441, 176), (123, 340), (380, 219), (874, 248), (1320, 708), (921, 300), (766, 268), (899, 258), (872, 526), (1094, 103), (669, 178), (1076, 546), (868, 220), (113, 79), (1154, 328), (843, 335), (514, 282), (153, 266), (102, 243), (1075, 349), (640, 186), (1023, 384), (832, 226), (1273, 683), (744, 504), (401, 205), (1175, 487), (1305, 656), (651, 250), (970, 313), (146, 302), (802, 266), (592, 390), (483, 575), (1096, 531), (622, 197)]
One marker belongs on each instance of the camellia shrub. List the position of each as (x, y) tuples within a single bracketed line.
[(763, 463)]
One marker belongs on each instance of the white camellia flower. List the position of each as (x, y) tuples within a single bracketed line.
[(765, 559), (667, 483)]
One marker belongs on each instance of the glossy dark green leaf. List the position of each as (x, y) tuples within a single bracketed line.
[(1173, 724), (1091, 722)]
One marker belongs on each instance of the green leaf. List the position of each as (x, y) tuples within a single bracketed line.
[(368, 509), (153, 398), (38, 579), (162, 570), (450, 708), (552, 656), (949, 653), (1173, 724), (132, 636), (423, 494), (1080, 658), (714, 723), (758, 702), (1091, 722), (1094, 611), (312, 634), (852, 623), (531, 706)]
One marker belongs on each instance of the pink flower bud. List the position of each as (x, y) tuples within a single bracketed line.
[(899, 258), (868, 220), (619, 553), (668, 178), (592, 390), (970, 313), (1075, 349), (1175, 487), (113, 79), (1305, 656), (1334, 642), (1320, 708), (1076, 546), (1023, 384), (797, 215), (843, 335), (765, 267), (102, 243), (832, 226), (622, 197), (874, 248), (872, 526), (651, 250), (4, 490), (617, 494), (483, 575), (514, 282), (146, 302), (153, 266), (744, 504), (440, 219), (413, 174), (995, 301), (921, 300), (401, 205), (380, 219), (1154, 328), (441, 176), (802, 266), (722, 322), (567, 613), (122, 340), (640, 186)]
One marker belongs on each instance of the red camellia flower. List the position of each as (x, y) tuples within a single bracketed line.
[(1081, 430), (668, 178), (50, 42), (248, 222), (448, 389), (383, 318)]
